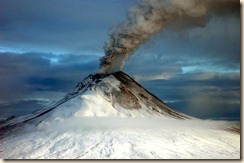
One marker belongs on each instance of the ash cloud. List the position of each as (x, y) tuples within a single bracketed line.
[(149, 17)]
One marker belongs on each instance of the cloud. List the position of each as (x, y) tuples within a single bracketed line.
[(21, 107), (58, 25), (37, 83), (200, 94), (208, 110), (24, 74), (163, 76), (149, 18), (216, 47)]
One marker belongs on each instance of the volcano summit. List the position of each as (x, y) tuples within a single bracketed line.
[(112, 116)]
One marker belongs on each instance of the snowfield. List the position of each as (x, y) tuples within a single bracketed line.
[(93, 125), (80, 133), (102, 138)]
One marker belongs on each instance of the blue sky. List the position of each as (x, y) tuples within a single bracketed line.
[(46, 47)]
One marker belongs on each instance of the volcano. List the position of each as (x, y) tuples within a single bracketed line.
[(112, 116)]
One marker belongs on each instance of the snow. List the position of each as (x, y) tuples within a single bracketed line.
[(113, 82), (85, 132), (90, 126), (123, 138)]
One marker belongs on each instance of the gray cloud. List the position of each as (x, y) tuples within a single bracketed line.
[(215, 47), (201, 94), (57, 25), (149, 18), (21, 107), (24, 75)]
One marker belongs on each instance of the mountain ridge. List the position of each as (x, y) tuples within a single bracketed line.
[(155, 98), (128, 88), (112, 116)]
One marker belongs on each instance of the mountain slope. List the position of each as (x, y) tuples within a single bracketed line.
[(116, 91), (140, 94), (112, 116)]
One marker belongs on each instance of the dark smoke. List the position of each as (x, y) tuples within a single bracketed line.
[(149, 17)]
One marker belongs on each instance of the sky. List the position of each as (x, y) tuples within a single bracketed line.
[(48, 46)]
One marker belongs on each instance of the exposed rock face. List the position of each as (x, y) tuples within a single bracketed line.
[(134, 92)]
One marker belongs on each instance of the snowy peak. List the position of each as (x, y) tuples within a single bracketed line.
[(125, 97), (114, 117), (131, 95), (99, 95)]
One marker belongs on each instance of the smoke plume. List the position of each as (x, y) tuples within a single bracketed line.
[(149, 17)]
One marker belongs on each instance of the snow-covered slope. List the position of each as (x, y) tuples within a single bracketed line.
[(114, 117)]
